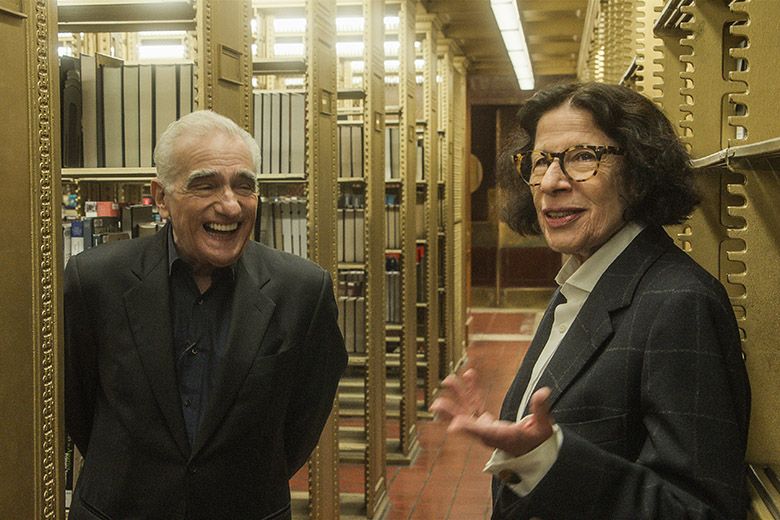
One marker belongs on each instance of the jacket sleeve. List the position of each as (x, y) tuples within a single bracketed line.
[(81, 374), (694, 402), (323, 360)]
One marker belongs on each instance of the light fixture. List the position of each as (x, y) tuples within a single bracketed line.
[(508, 20)]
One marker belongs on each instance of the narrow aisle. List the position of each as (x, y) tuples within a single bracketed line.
[(446, 480)]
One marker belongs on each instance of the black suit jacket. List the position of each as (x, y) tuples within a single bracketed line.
[(273, 391), (650, 390)]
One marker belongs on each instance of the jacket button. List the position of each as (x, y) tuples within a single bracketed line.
[(192, 470)]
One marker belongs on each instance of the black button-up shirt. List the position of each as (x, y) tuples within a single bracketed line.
[(200, 333)]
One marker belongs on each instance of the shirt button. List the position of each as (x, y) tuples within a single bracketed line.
[(562, 329), (508, 476)]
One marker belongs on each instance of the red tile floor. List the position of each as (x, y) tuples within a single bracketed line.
[(445, 481)]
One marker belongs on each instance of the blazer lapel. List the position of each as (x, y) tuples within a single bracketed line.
[(251, 313), (149, 314), (593, 325)]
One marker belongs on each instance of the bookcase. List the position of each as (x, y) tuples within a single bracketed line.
[(294, 81), (709, 66)]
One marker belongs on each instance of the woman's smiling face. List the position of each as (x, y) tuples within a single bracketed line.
[(577, 218)]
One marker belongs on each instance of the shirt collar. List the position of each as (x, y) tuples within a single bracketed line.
[(173, 256), (585, 276)]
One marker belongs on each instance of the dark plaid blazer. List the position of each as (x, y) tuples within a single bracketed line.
[(650, 390), (272, 392)]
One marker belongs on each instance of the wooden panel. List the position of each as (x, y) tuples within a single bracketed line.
[(31, 435)]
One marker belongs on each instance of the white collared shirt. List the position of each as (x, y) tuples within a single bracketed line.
[(576, 282)]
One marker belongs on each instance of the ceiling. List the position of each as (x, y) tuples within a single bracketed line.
[(553, 31)]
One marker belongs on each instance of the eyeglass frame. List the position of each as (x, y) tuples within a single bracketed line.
[(599, 150)]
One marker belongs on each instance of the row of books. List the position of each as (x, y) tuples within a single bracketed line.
[(280, 131), (83, 233), (283, 224), (113, 113), (393, 155), (352, 310)]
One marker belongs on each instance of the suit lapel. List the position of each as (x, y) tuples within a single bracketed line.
[(149, 315), (593, 327), (251, 313)]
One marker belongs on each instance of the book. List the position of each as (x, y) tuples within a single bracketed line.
[(165, 103), (284, 133), (297, 133), (146, 140), (184, 81), (70, 112), (89, 109), (111, 111), (130, 105)]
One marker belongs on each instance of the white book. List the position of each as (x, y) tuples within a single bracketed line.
[(284, 133), (341, 218), (276, 131), (185, 89), (345, 152), (276, 213), (89, 109), (111, 94), (297, 133), (130, 107), (266, 132), (286, 213), (165, 103), (356, 139), (257, 109), (266, 222), (145, 115)]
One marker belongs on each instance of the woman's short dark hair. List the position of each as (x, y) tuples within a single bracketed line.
[(657, 180)]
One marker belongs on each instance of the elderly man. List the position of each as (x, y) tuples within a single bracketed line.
[(200, 366)]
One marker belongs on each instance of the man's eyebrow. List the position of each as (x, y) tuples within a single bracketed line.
[(198, 175), (247, 174)]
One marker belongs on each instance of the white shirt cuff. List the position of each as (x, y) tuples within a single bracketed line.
[(531, 467)]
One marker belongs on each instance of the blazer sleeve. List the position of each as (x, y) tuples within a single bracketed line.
[(81, 373), (322, 363), (694, 403)]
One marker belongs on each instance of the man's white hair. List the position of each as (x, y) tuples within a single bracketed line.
[(201, 123)]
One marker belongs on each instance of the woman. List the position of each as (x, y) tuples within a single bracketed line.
[(632, 401)]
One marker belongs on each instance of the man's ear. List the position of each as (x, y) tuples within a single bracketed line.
[(158, 193)]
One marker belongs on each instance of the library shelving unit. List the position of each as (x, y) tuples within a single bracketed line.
[(361, 110), (710, 67), (400, 185), (428, 30), (294, 74)]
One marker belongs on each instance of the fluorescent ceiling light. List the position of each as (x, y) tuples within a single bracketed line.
[(508, 20)]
